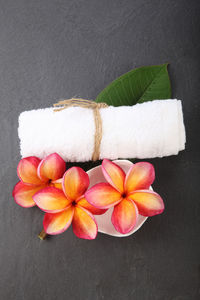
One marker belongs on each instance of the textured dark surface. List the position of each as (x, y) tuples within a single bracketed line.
[(58, 49)]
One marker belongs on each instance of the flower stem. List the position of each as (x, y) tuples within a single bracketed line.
[(42, 235)]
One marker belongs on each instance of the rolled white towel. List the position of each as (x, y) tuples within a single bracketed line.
[(146, 130)]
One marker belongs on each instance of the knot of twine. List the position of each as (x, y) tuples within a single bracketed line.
[(79, 102)]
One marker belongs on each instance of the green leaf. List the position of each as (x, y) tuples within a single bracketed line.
[(137, 86)]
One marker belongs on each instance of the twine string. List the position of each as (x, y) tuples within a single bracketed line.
[(84, 103)]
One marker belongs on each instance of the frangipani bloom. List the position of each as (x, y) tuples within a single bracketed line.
[(129, 194), (68, 206), (35, 174)]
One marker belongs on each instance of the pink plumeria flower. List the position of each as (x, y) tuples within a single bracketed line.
[(35, 174), (129, 194), (69, 206)]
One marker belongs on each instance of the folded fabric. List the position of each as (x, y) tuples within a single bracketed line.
[(146, 130)]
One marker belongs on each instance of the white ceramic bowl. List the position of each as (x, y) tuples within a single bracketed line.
[(104, 221)]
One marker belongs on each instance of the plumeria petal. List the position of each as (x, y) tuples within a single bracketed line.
[(124, 216), (57, 183), (102, 195), (51, 199), (75, 182), (113, 174), (140, 176), (23, 194), (59, 222), (27, 170), (51, 167), (95, 211), (148, 202), (84, 224)]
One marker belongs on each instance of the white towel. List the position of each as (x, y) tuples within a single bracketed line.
[(146, 130)]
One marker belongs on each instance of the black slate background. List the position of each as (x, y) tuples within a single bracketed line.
[(58, 49)]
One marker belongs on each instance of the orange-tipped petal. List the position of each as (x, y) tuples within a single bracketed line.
[(140, 176), (51, 199), (148, 202), (59, 222), (57, 183), (95, 211), (113, 174), (51, 167), (27, 170), (75, 182), (102, 195), (84, 224), (23, 194), (124, 216)]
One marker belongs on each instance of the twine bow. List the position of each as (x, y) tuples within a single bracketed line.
[(79, 102)]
